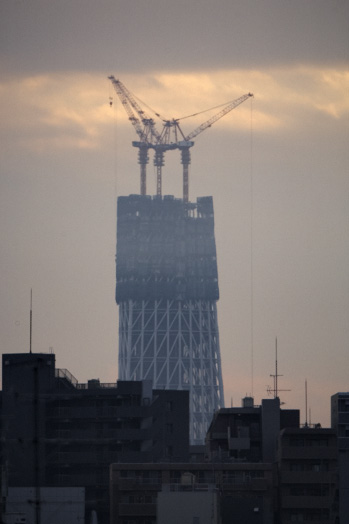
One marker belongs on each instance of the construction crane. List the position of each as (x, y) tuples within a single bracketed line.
[(148, 134), (185, 144), (144, 127), (171, 137)]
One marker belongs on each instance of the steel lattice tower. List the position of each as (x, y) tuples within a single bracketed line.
[(167, 289)]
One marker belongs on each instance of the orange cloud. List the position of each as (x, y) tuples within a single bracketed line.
[(72, 110)]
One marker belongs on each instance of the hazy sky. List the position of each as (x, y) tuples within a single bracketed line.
[(277, 167)]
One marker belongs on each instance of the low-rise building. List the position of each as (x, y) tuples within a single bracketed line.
[(308, 475), (139, 491), (340, 424), (59, 432), (249, 432)]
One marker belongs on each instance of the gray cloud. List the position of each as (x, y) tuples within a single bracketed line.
[(152, 35)]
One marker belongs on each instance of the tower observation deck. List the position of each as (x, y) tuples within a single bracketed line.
[(167, 291)]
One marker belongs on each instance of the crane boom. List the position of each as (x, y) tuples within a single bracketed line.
[(186, 144), (219, 115), (171, 137), (148, 134)]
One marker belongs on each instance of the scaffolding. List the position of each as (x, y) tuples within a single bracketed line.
[(167, 290)]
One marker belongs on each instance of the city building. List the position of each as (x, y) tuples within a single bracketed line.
[(236, 471), (51, 505), (58, 432), (249, 432), (167, 290), (140, 493), (308, 475), (188, 502), (340, 423)]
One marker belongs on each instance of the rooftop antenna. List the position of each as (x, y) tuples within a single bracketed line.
[(306, 403), (31, 320), (276, 389)]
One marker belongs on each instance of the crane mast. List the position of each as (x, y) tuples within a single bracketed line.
[(147, 134), (185, 144), (171, 136)]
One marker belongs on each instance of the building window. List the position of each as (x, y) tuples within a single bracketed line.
[(169, 405), (297, 517), (296, 467), (343, 405), (317, 442), (297, 442), (319, 466), (309, 491), (175, 476)]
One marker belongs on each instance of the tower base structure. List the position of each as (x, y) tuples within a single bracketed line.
[(167, 290)]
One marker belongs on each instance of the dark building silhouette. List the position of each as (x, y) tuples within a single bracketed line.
[(249, 432), (58, 432), (243, 491), (237, 469), (167, 290), (259, 466), (308, 475), (340, 423)]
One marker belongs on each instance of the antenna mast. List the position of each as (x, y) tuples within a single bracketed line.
[(276, 390), (31, 320), (275, 377), (306, 403)]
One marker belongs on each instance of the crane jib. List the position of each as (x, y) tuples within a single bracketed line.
[(171, 136)]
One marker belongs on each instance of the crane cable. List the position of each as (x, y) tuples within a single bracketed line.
[(146, 105), (251, 247), (182, 117), (205, 110)]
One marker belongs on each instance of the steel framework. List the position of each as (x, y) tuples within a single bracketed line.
[(167, 289)]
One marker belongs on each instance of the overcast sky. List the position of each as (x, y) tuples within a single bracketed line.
[(277, 167)]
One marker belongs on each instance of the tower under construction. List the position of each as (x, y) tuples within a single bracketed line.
[(167, 290), (166, 273)]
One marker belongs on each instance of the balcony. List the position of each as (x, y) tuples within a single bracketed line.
[(89, 459), (307, 477), (291, 520), (135, 484), (137, 510), (254, 484), (309, 453), (306, 502), (239, 443)]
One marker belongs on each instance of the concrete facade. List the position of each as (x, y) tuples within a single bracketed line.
[(188, 504), (308, 475), (340, 424), (249, 432), (246, 488), (58, 432), (46, 505)]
